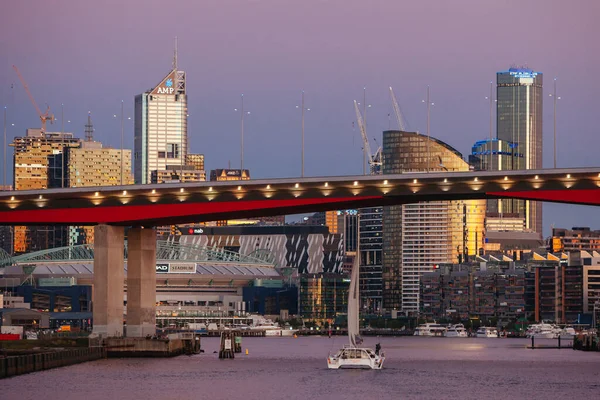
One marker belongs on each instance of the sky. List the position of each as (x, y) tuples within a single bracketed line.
[(89, 55)]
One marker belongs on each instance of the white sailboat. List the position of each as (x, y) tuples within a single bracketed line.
[(353, 356)]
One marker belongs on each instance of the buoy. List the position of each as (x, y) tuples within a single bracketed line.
[(246, 351), (295, 336)]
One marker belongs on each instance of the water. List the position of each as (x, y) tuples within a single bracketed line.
[(287, 368)]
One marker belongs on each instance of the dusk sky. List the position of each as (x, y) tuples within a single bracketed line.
[(90, 55)]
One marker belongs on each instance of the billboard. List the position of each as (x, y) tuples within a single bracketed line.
[(176, 268)]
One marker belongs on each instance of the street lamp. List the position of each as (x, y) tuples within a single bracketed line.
[(429, 104), (241, 110), (556, 98), (303, 109)]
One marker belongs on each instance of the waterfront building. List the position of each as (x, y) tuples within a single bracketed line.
[(418, 236), (519, 109), (558, 292), (301, 248), (576, 239), (322, 297), (160, 126), (31, 160), (371, 243)]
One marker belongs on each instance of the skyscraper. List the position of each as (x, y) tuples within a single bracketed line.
[(161, 140), (519, 121), (418, 236), (31, 160)]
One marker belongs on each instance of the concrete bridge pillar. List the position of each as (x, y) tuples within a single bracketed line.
[(141, 282), (109, 274)]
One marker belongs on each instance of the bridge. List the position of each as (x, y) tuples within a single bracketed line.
[(145, 206)]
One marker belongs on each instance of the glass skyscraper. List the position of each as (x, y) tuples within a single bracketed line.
[(161, 141), (519, 121)]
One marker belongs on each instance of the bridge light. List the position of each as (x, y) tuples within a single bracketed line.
[(124, 192), (181, 190), (506, 178), (326, 184), (268, 187), (40, 197), (97, 194), (537, 177), (385, 182), (12, 198), (475, 179), (239, 188), (355, 183), (297, 185), (210, 189), (415, 181), (445, 180), (153, 191), (568, 176)]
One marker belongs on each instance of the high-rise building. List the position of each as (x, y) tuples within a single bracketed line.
[(418, 236), (31, 159), (371, 245), (519, 121), (161, 136), (91, 164), (6, 235)]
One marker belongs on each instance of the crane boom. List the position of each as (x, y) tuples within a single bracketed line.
[(402, 125), (43, 117), (363, 132)]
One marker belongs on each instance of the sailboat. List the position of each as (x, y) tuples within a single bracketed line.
[(352, 355)]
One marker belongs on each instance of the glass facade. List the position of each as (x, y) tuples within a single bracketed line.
[(161, 127), (371, 246), (323, 296), (418, 236), (519, 121)]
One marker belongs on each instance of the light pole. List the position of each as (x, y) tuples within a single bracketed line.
[(4, 152), (241, 110), (303, 110), (122, 137), (429, 104), (555, 98)]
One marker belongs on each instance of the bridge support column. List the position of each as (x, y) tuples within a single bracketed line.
[(109, 274), (141, 282)]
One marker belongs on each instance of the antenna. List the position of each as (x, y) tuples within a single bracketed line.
[(89, 128), (175, 55)]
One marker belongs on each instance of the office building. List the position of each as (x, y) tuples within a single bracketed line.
[(576, 239), (31, 160), (371, 243), (418, 236), (519, 121), (191, 171), (88, 165), (161, 136), (322, 297), (218, 175), (496, 155), (558, 292)]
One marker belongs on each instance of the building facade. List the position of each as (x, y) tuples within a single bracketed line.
[(520, 97), (576, 239), (371, 264), (31, 160), (418, 236), (323, 296), (160, 126)]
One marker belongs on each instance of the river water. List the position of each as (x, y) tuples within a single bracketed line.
[(288, 368)]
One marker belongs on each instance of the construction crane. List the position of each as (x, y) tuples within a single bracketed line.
[(402, 124), (47, 116), (374, 160)]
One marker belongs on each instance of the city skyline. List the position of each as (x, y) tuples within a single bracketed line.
[(265, 58)]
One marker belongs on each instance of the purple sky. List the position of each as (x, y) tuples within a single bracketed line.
[(91, 55)]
